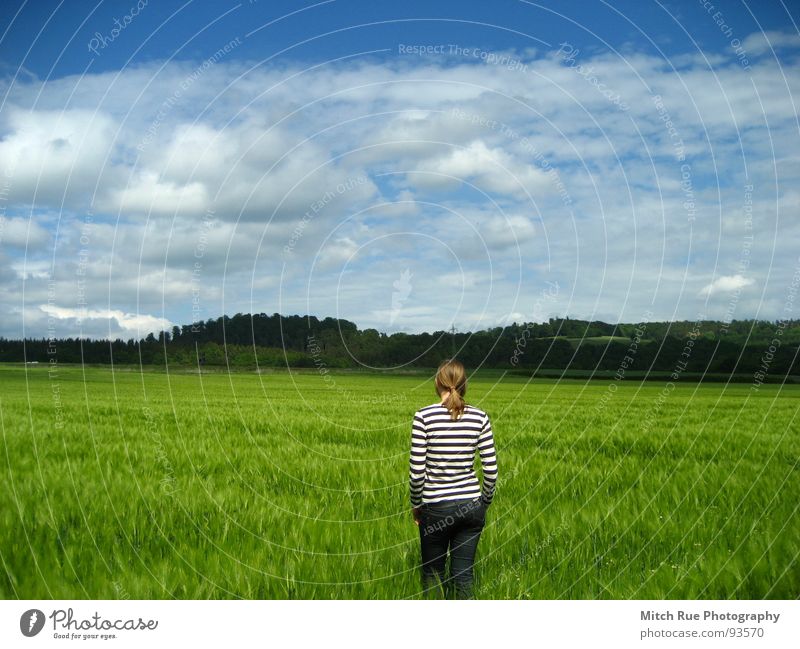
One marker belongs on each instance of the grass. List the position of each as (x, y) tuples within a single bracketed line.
[(153, 485)]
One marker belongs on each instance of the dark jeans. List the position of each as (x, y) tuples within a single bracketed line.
[(455, 525)]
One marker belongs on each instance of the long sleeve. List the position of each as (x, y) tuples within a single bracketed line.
[(488, 461), (419, 450)]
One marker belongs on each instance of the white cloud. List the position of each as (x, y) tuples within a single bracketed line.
[(501, 232), (335, 254), (148, 194), (269, 152), (726, 284), (53, 155), (762, 42), (137, 325), (511, 318), (21, 232), (491, 170)]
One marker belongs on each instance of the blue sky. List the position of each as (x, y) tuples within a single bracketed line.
[(50, 38), (408, 166)]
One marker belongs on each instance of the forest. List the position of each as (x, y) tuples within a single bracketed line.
[(252, 341)]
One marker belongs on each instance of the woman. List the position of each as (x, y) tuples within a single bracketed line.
[(447, 501)]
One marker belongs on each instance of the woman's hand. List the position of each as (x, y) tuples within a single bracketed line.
[(416, 512)]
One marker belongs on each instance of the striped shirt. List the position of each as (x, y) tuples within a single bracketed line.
[(443, 455)]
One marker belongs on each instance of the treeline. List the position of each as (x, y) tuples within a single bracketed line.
[(247, 341)]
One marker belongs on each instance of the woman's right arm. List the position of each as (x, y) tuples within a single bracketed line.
[(419, 451), (488, 461)]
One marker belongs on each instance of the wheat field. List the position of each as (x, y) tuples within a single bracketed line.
[(150, 485)]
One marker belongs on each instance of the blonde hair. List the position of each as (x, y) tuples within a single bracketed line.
[(452, 376)]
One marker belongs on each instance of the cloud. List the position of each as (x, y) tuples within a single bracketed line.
[(136, 325), (19, 232), (762, 42), (500, 232), (337, 253), (491, 170), (51, 156), (379, 155), (726, 284), (148, 194)]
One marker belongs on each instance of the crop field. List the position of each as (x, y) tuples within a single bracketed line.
[(146, 485)]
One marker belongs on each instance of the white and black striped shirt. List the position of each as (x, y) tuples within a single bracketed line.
[(443, 455)]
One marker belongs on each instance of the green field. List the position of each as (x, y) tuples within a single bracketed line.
[(146, 485)]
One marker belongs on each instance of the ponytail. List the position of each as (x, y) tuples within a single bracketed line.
[(452, 377), (455, 404)]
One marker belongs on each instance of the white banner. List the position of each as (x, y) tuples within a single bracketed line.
[(234, 623)]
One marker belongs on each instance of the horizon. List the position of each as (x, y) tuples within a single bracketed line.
[(361, 329)]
